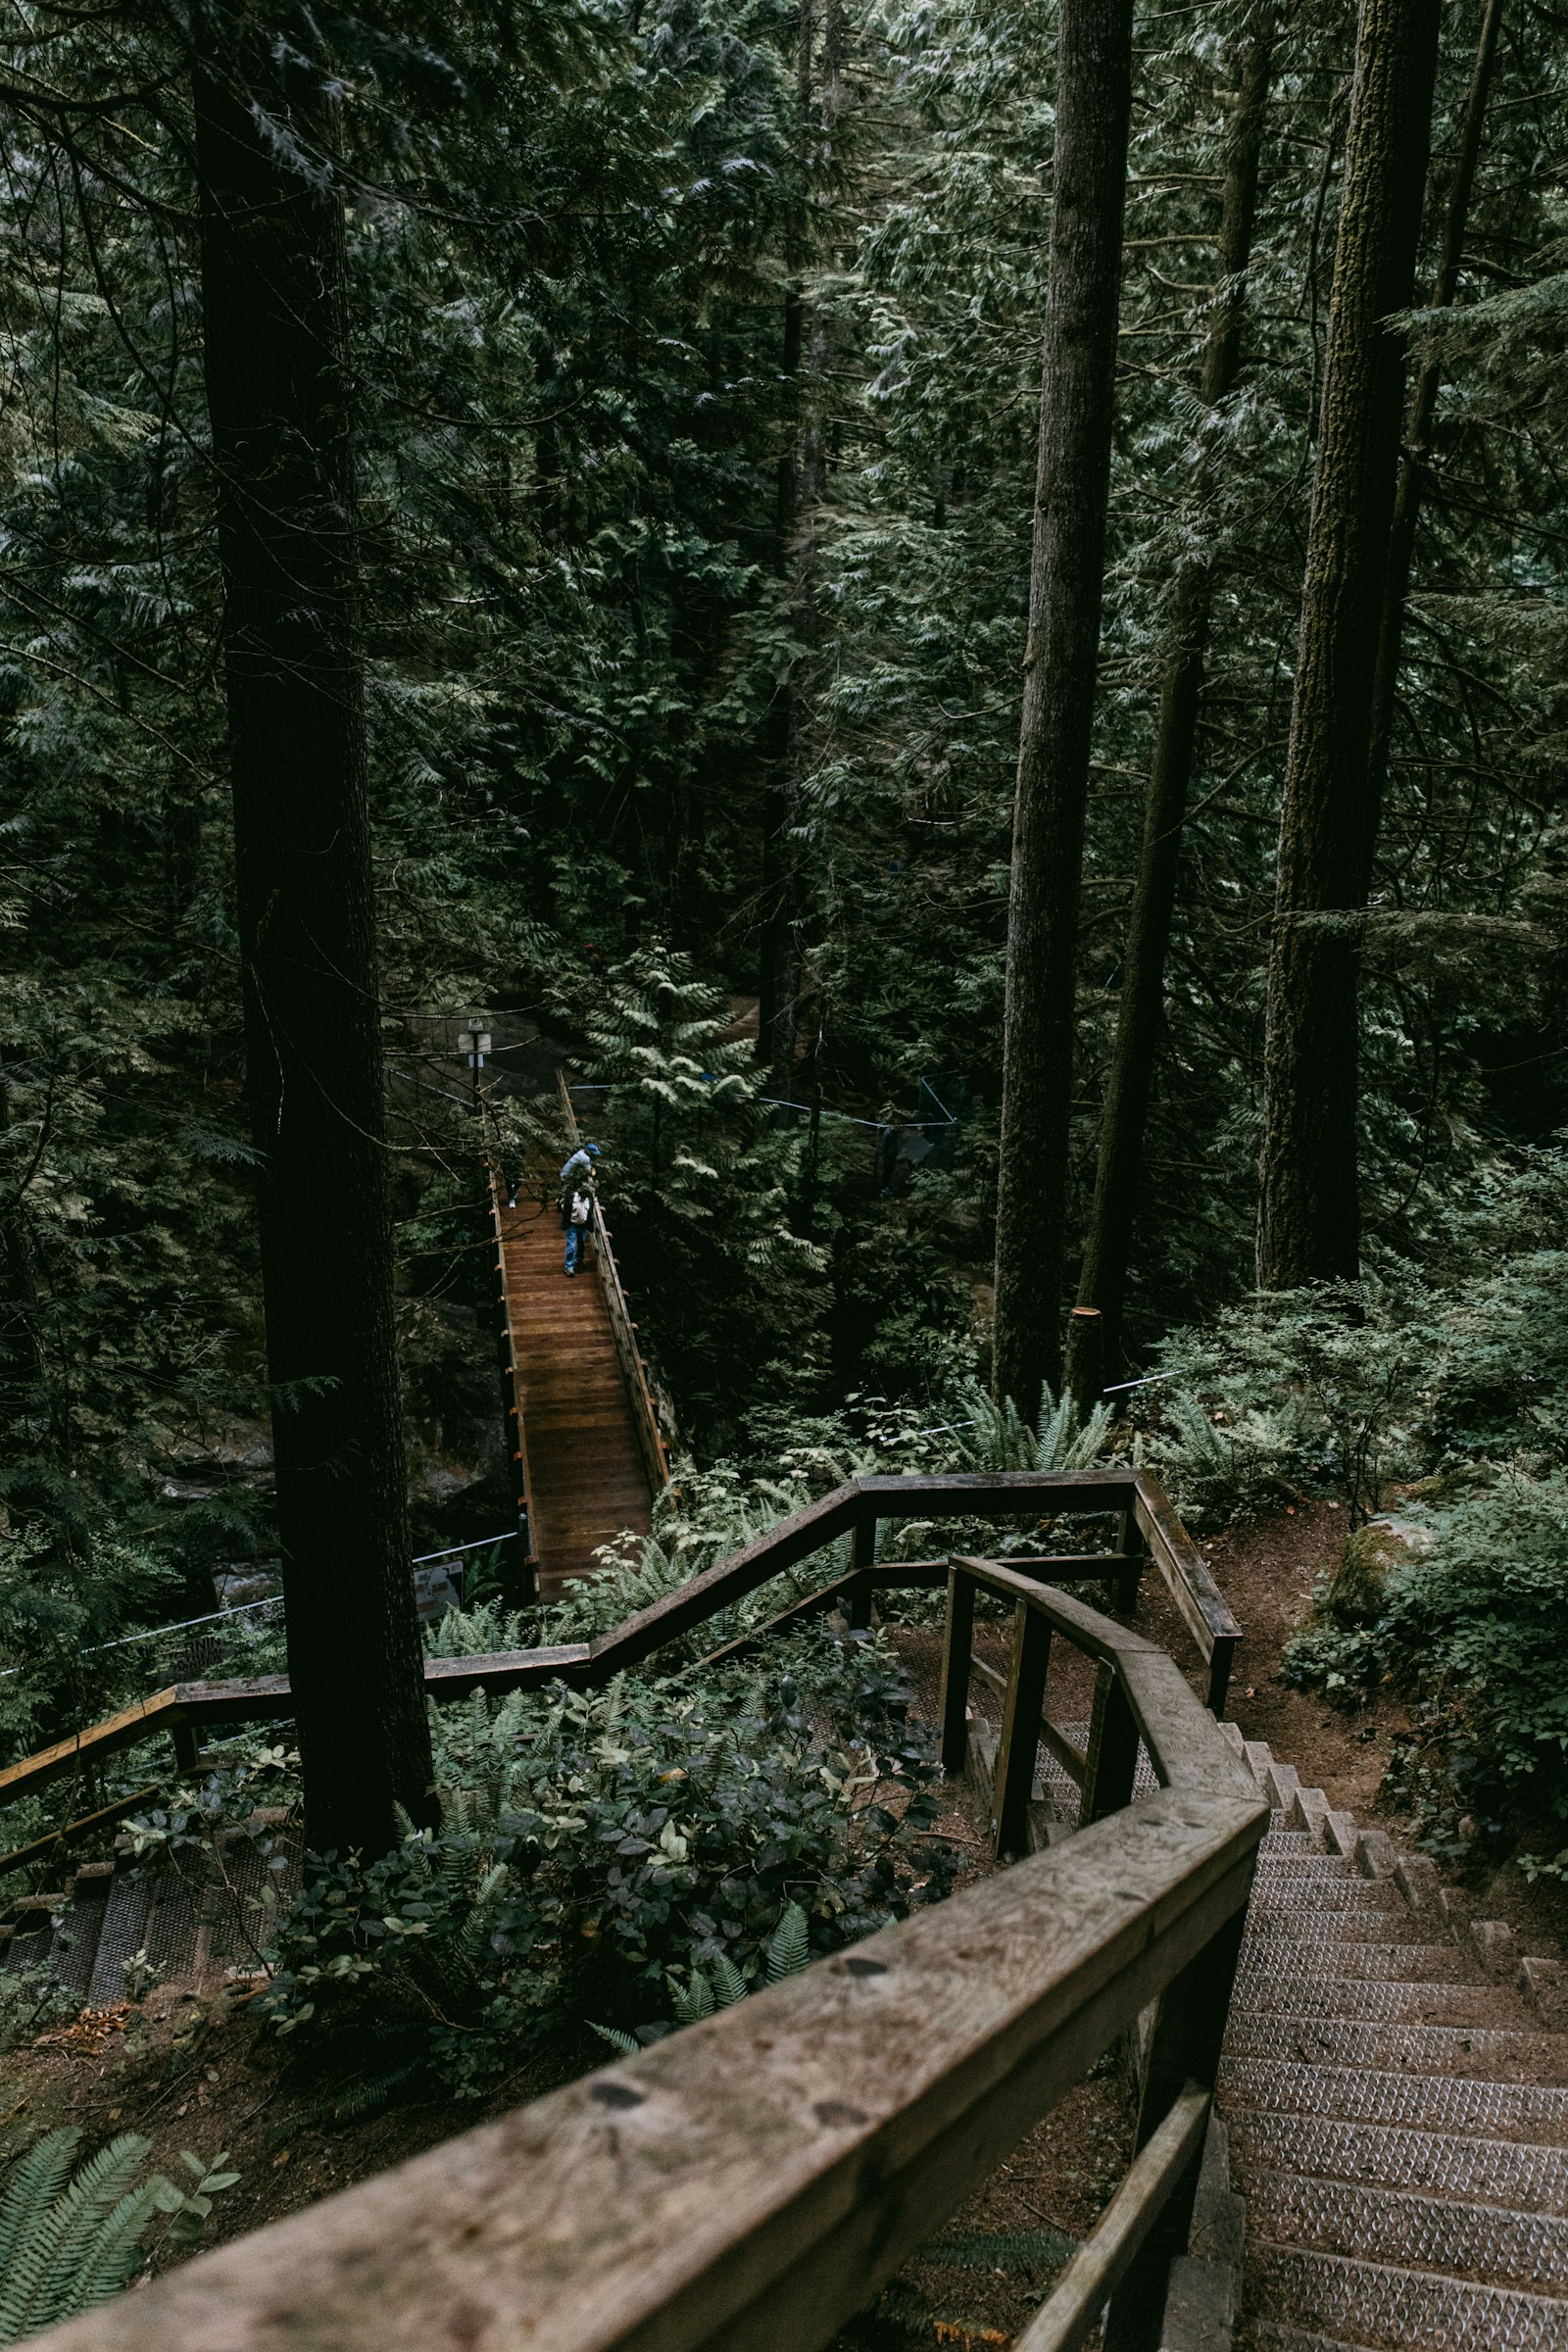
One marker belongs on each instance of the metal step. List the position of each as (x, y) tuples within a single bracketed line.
[(1303, 1866), (32, 1931), (1384, 2308), (1376, 2001), (1496, 2055), (1513, 2111), (1403, 2226), (1385, 1918), (1442, 2164), (79, 1925), (124, 1931), (1332, 1955), (1278, 1898)]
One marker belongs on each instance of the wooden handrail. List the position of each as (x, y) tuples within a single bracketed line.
[(519, 1451), (854, 1508), (1101, 2264), (633, 1371), (749, 2182)]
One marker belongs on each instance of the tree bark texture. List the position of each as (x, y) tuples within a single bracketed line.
[(780, 976), (1416, 461), (281, 405), (1094, 97), (1141, 1013), (1309, 1221)]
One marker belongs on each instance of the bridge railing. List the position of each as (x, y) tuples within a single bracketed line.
[(629, 1355), (1149, 1532), (522, 1485), (747, 2185)]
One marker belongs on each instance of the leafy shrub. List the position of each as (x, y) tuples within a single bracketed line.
[(597, 1849), (1324, 1387), (1470, 1631)]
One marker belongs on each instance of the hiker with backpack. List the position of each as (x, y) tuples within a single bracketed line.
[(577, 1202)]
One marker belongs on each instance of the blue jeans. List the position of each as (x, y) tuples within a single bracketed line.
[(576, 1247)]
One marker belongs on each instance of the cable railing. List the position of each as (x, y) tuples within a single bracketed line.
[(748, 2185)]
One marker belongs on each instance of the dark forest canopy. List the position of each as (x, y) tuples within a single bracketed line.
[(693, 351)]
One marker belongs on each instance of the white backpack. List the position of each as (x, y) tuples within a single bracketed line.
[(579, 1208)]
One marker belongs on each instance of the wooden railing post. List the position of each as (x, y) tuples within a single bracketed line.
[(182, 1739), (1183, 2051), (1020, 1748), (862, 1558), (1133, 1549), (1113, 1764), (957, 1649), (1083, 1371)]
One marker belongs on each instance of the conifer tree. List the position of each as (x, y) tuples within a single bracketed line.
[(1077, 396), (1309, 1215), (1103, 1280), (1416, 461), (280, 403)]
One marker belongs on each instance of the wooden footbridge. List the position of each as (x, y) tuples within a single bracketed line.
[(585, 1439)]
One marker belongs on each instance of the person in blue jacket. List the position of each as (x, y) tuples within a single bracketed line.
[(577, 1202)]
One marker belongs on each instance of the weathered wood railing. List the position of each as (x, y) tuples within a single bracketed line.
[(633, 1371), (748, 2185), (528, 1580), (1150, 1531)]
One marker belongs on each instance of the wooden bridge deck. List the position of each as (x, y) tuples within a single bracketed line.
[(586, 1471)]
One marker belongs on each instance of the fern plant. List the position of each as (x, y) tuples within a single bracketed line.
[(70, 2239), (1000, 1438)]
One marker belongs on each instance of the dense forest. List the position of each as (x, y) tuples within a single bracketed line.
[(959, 612)]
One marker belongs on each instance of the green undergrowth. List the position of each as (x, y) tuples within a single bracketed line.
[(1435, 1412), (73, 2234), (601, 1858)]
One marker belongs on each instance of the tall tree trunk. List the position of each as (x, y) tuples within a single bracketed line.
[(281, 404), (1414, 465), (1309, 1221), (1140, 1015), (1078, 376), (780, 945)]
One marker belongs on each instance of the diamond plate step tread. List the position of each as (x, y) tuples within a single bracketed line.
[(1377, 2002), (1513, 2111), (1331, 1955), (1273, 1901), (1520, 2174), (124, 1931), (1309, 1868), (1378, 1919), (1387, 2308), (1410, 2230), (75, 1951), (1499, 2055), (33, 1935)]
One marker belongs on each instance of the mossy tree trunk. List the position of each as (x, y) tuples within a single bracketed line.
[(1416, 461), (1141, 1013), (1310, 1220), (1089, 178), (281, 404)]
